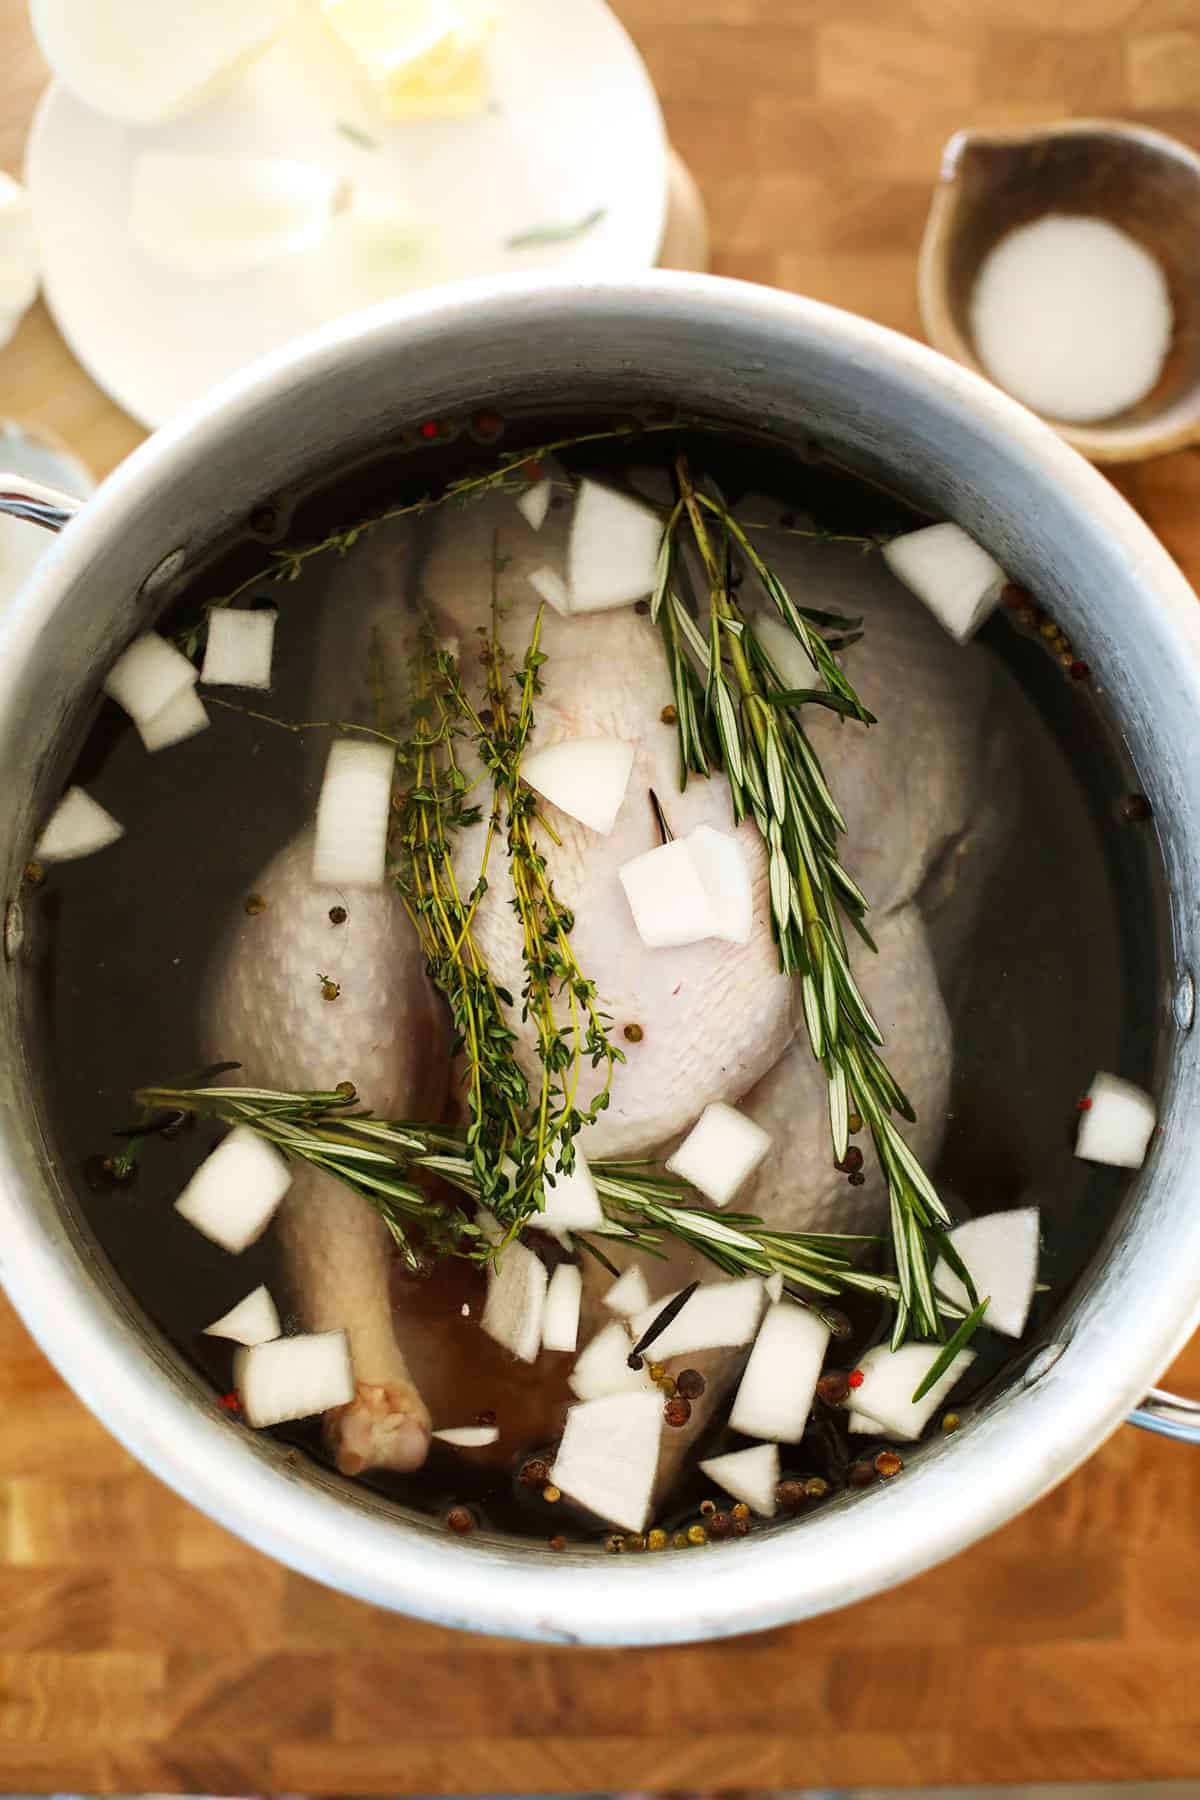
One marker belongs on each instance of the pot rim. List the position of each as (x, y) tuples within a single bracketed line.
[(1139, 1307)]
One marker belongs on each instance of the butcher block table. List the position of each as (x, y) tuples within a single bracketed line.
[(142, 1648)]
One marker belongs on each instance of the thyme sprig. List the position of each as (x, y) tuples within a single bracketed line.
[(384, 1161), (730, 694), (516, 1137)]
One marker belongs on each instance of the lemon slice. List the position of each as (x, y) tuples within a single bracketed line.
[(423, 58)]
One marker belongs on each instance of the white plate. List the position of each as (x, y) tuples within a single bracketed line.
[(574, 126)]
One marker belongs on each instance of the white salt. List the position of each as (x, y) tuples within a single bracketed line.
[(1072, 316)]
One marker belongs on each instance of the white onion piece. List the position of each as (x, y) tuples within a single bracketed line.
[(516, 1297), (608, 1458), (234, 1192), (534, 503), (602, 1367), (468, 1437), (725, 875), (628, 1295), (612, 552), (180, 718), (773, 1286), (78, 826), (1000, 1251), (212, 217), (353, 814), (549, 586), (750, 1475), (891, 1378), (422, 60), (720, 1152), (720, 1315), (148, 675), (239, 648), (560, 1315), (776, 1392), (859, 1424), (1117, 1124), (18, 256), (137, 63), (571, 1203), (954, 576), (670, 904), (585, 777), (294, 1377), (254, 1320)]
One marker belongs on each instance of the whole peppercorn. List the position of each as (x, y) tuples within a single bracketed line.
[(254, 904), (633, 1034), (679, 1540), (487, 1417), (614, 1543), (667, 1386), (790, 1495), (657, 1371), (741, 1527), (558, 1543), (951, 1421), (708, 1508), (535, 1473), (677, 1411), (720, 1525), (696, 1534), (347, 1089), (690, 1383), (338, 915), (635, 1541), (1079, 671), (656, 1540), (1015, 597), (833, 1387), (668, 715), (852, 1161), (634, 1361), (857, 1178), (861, 1474), (551, 1494), (854, 1123), (888, 1463), (1136, 809), (488, 424), (642, 607), (855, 1378), (460, 1521), (816, 1487), (329, 989), (741, 1510)]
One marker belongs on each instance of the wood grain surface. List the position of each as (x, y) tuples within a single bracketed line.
[(142, 1648)]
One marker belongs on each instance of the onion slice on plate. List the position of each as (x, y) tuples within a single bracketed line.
[(234, 1192), (141, 63), (954, 576), (239, 647), (1000, 1252), (18, 256), (147, 676), (516, 1297), (560, 1315), (180, 718), (294, 1377), (254, 1320), (612, 551), (78, 826), (608, 1458), (1116, 1123), (602, 1366), (720, 1152), (213, 216), (585, 777), (776, 1392), (720, 1315), (751, 1475), (892, 1377), (353, 815)]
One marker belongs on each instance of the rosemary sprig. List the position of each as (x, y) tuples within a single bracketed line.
[(383, 1160), (724, 677)]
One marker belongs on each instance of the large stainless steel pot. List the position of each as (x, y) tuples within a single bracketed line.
[(891, 409)]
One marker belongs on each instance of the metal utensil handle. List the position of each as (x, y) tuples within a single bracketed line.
[(1170, 1415), (32, 500)]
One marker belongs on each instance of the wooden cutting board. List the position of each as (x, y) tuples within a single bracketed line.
[(142, 1648)]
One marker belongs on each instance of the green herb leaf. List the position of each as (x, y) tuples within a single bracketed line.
[(555, 234), (966, 1331)]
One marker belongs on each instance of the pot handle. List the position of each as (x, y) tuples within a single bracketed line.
[(1170, 1415), (37, 503)]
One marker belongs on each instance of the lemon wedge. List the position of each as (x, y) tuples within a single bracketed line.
[(423, 58)]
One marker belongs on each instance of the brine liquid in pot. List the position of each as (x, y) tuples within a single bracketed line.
[(1039, 912)]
